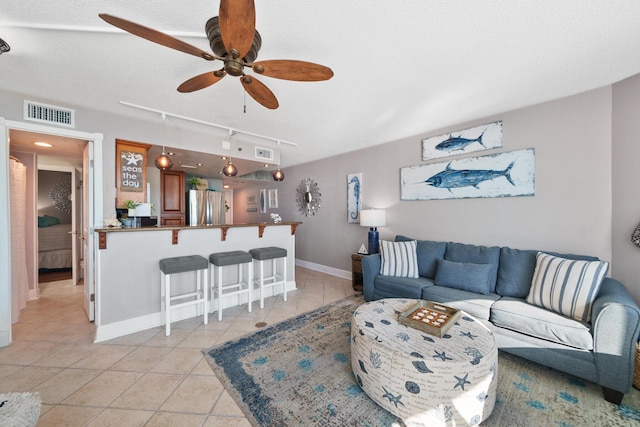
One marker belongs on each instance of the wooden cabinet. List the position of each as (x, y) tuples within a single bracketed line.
[(172, 194)]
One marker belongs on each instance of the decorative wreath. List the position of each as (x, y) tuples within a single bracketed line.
[(308, 197), (60, 195)]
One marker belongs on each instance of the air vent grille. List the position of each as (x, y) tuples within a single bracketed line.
[(264, 153), (51, 114)]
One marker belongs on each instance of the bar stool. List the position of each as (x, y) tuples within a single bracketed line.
[(271, 253), (223, 259), (183, 264)]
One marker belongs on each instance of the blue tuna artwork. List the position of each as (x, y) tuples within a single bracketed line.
[(495, 175), (483, 137)]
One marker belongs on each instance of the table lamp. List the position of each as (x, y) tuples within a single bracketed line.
[(373, 218)]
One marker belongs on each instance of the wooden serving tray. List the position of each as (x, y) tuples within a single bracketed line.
[(430, 317)]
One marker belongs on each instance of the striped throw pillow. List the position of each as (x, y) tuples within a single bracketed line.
[(399, 259), (566, 286)]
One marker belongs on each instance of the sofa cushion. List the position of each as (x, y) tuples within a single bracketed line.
[(475, 304), (467, 276), (399, 259), (399, 287), (461, 252), (516, 314), (566, 286), (516, 270), (428, 253)]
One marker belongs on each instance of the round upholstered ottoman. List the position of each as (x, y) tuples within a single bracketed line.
[(421, 378)]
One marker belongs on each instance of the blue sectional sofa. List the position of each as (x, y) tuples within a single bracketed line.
[(493, 287)]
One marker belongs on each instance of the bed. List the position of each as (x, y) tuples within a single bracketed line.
[(54, 246)]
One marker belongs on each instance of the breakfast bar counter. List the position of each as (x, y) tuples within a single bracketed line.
[(127, 294)]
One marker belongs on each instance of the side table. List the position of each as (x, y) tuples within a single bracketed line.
[(356, 271)]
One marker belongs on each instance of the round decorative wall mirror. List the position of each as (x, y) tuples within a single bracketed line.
[(60, 195), (308, 197)]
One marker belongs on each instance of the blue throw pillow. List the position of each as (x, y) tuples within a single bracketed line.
[(466, 276), (428, 253), (461, 252)]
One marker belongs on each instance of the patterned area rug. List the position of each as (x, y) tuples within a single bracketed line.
[(298, 373), (19, 409)]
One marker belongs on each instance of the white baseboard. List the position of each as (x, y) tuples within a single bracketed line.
[(344, 274), (154, 320)]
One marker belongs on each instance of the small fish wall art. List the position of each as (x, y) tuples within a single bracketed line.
[(495, 175), (354, 197), (483, 137)]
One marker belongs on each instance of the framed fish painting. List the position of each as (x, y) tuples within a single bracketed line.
[(483, 137), (354, 197), (495, 175)]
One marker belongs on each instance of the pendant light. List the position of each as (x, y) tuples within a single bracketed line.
[(163, 161), (278, 175), (230, 169)]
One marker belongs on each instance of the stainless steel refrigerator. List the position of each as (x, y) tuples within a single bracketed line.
[(205, 207)]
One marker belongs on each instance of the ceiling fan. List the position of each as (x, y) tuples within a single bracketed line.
[(234, 41)]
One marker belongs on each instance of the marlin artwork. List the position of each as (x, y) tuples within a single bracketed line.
[(497, 175), (483, 137)]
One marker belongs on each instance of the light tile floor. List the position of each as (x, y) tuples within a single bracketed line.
[(142, 379)]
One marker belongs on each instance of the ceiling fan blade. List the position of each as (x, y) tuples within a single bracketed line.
[(237, 25), (259, 92), (293, 70), (201, 81), (155, 36)]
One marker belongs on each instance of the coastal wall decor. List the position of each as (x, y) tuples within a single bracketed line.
[(263, 201), (483, 137), (496, 175), (354, 197)]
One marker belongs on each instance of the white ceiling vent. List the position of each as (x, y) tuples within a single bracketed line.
[(264, 153), (51, 114)]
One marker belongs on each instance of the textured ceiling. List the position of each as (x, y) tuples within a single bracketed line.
[(401, 68)]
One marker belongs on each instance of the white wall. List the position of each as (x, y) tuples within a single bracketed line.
[(626, 181), (570, 212)]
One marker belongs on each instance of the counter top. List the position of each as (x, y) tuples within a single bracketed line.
[(191, 227), (175, 230)]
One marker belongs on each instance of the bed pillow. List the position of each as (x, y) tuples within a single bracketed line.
[(466, 276), (399, 259), (46, 221), (566, 286)]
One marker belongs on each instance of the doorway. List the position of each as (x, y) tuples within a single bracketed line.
[(89, 182)]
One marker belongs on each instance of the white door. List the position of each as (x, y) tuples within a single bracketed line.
[(87, 234)]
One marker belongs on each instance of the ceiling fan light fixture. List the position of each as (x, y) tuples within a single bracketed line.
[(230, 169)]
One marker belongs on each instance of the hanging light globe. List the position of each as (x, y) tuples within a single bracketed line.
[(163, 162), (278, 175), (230, 169)]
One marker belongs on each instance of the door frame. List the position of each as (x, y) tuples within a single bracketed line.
[(96, 199)]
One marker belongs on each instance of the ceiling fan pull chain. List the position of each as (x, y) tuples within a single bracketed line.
[(244, 99)]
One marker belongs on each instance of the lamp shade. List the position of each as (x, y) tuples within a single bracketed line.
[(373, 218)]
